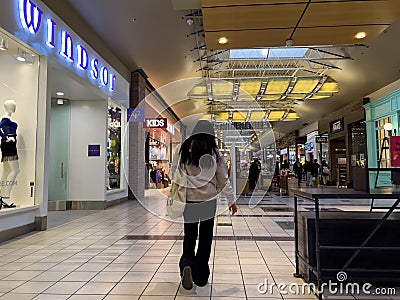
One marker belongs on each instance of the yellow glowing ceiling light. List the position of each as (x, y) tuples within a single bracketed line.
[(295, 96), (276, 115), (322, 96), (222, 116), (199, 90), (270, 97), (194, 99), (251, 87), (329, 87), (291, 116), (206, 117), (277, 85), (246, 97), (305, 85), (222, 88), (239, 116), (257, 116)]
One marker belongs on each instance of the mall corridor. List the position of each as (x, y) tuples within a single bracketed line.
[(126, 252)]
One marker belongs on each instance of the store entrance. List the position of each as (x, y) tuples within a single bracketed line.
[(338, 163), (59, 153)]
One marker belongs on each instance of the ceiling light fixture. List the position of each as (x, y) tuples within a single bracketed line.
[(3, 45), (360, 35), (289, 43), (223, 40), (190, 21), (21, 56), (60, 101), (60, 94)]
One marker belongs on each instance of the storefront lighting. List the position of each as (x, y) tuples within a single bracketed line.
[(388, 126), (60, 101), (3, 45)]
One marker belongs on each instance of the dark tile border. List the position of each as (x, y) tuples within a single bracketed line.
[(216, 238)]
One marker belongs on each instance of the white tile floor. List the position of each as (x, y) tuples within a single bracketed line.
[(89, 258)]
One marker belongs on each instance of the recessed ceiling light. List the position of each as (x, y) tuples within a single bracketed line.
[(360, 35), (133, 19), (21, 58), (3, 45), (60, 94), (222, 40), (21, 55)]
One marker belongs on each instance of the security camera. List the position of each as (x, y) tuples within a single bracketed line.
[(190, 21)]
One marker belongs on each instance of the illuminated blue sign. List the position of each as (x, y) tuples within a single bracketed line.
[(31, 17)]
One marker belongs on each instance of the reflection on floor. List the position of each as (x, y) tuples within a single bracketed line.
[(57, 218), (126, 252)]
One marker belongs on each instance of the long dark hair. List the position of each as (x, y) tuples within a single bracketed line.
[(200, 143)]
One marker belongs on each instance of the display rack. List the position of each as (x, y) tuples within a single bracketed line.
[(315, 195), (342, 176)]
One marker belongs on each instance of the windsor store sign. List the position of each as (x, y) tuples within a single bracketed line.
[(48, 33)]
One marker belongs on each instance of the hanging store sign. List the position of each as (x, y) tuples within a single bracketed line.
[(321, 139), (50, 36), (395, 151), (136, 115), (283, 151), (309, 146), (336, 126), (155, 123), (170, 129)]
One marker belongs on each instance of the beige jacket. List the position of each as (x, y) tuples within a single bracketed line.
[(207, 184)]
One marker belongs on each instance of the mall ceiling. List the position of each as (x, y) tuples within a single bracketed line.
[(154, 36)]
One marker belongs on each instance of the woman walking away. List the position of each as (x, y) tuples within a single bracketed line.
[(207, 177), (325, 172)]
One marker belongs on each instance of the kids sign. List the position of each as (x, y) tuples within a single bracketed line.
[(155, 123), (58, 37)]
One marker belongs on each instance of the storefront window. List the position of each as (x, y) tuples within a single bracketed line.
[(114, 147), (380, 134), (158, 150), (19, 81), (292, 155), (325, 150), (358, 145)]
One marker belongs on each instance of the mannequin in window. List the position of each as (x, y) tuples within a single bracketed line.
[(9, 155)]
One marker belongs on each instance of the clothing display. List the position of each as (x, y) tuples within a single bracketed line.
[(8, 128), (9, 151), (9, 155)]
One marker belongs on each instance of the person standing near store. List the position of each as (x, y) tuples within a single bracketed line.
[(207, 177), (308, 171), (315, 171), (254, 172), (298, 170)]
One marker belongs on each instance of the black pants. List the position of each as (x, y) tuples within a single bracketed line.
[(252, 185), (199, 221), (299, 176)]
